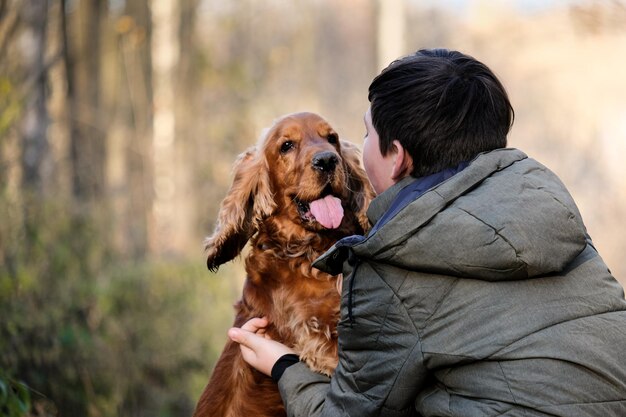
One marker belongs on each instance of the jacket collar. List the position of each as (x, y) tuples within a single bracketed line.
[(383, 201), (410, 189), (437, 198)]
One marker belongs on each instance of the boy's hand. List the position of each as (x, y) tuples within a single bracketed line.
[(258, 350)]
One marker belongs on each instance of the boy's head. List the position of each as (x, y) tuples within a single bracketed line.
[(444, 107)]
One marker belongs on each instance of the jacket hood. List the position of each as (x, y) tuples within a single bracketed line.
[(503, 217)]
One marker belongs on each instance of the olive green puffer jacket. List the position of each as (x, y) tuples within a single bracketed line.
[(482, 297)]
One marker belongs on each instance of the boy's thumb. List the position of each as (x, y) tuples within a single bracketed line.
[(237, 335)]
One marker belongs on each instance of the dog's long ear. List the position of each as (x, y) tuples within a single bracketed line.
[(361, 191), (249, 200)]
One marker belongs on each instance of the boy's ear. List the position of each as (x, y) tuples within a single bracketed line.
[(403, 162)]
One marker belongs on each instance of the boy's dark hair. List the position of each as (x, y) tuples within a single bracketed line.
[(443, 106)]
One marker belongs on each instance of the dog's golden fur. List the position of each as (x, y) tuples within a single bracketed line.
[(267, 204)]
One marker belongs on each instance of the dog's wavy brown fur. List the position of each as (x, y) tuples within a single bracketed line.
[(301, 303)]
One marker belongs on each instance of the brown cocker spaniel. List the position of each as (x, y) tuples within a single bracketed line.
[(294, 194)]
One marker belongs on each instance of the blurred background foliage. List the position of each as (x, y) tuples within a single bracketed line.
[(119, 124)]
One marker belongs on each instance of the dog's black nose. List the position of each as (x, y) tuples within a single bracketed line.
[(325, 161)]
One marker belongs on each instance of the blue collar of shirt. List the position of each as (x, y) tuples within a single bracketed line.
[(414, 190)]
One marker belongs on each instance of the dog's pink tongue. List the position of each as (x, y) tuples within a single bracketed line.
[(327, 211)]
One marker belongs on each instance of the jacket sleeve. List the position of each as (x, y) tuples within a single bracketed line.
[(380, 370)]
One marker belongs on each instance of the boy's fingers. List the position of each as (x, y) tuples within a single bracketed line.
[(257, 349), (249, 332), (253, 325), (237, 335)]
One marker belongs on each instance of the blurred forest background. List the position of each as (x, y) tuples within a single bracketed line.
[(119, 124)]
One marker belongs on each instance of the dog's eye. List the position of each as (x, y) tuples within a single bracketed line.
[(332, 138), (286, 146)]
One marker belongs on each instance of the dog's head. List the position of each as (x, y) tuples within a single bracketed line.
[(302, 174)]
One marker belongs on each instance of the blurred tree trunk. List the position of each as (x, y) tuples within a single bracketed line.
[(87, 138), (165, 52), (391, 28), (137, 68), (187, 77), (10, 105), (34, 14)]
